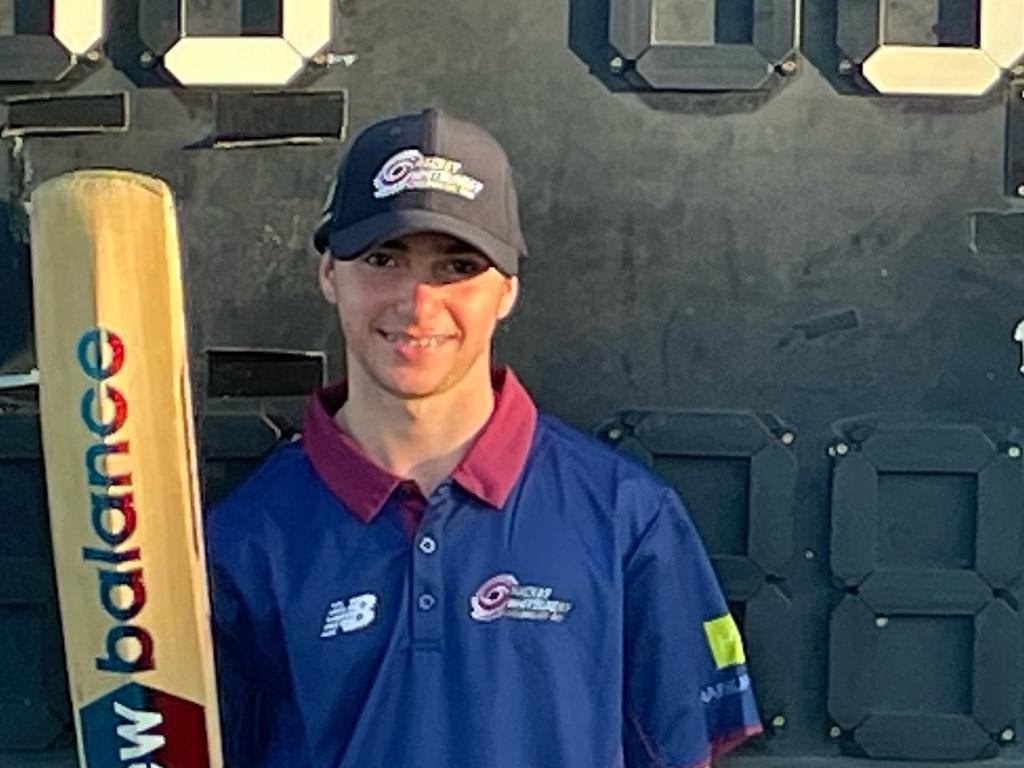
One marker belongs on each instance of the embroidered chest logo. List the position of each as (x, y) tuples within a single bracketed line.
[(502, 596), (349, 615)]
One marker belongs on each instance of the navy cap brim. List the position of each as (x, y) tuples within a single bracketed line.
[(348, 243)]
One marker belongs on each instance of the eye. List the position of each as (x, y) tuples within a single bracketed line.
[(379, 259), (466, 267)]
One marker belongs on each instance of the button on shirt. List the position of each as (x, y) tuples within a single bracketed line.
[(427, 545), (549, 605)]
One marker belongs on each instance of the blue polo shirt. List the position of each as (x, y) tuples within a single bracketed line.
[(549, 605)]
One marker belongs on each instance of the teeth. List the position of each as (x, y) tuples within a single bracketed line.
[(426, 341)]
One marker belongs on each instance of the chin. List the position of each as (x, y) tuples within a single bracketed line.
[(410, 385), (417, 381)]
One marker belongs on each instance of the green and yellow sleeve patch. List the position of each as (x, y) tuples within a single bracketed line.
[(724, 640)]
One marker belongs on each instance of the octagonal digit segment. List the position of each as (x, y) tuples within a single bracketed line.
[(730, 461), (924, 526), (253, 60), (684, 66), (78, 26), (972, 527), (947, 70), (923, 683)]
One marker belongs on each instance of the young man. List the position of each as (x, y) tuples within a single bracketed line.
[(437, 575)]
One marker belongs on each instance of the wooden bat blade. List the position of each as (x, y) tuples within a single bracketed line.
[(118, 449)]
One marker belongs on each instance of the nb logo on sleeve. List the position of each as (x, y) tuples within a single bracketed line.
[(350, 615)]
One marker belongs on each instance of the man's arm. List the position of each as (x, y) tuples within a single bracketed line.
[(688, 696), (240, 693)]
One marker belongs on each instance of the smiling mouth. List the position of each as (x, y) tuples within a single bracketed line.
[(419, 342)]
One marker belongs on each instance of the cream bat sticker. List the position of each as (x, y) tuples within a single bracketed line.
[(502, 596)]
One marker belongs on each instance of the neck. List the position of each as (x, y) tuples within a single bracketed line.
[(422, 439)]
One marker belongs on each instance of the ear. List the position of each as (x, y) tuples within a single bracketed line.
[(508, 299), (325, 273)]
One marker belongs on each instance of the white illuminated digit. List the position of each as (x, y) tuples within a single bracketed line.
[(1018, 336), (951, 70), (79, 25), (256, 60)]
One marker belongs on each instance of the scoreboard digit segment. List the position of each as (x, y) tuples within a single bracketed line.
[(932, 70), (687, 45), (251, 60), (31, 54), (79, 26), (697, 58)]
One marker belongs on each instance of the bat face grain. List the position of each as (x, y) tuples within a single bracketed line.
[(118, 448)]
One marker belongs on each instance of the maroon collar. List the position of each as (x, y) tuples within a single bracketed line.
[(488, 469)]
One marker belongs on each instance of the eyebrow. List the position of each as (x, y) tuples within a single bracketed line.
[(454, 246)]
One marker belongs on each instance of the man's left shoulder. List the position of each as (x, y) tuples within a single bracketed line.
[(581, 459), (569, 441)]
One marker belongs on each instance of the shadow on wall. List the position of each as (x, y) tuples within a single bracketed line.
[(588, 39)]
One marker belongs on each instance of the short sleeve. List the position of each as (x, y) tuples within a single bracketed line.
[(240, 688), (688, 696), (260, 725), (240, 693)]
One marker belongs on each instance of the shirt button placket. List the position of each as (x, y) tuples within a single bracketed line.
[(428, 613)]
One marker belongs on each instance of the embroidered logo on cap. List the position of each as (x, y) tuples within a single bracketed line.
[(411, 169), (502, 596), (356, 613)]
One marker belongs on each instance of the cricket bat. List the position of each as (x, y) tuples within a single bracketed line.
[(120, 460)]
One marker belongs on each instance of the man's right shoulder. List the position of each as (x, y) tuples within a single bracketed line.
[(275, 485)]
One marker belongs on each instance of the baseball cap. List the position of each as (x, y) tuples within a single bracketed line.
[(420, 172)]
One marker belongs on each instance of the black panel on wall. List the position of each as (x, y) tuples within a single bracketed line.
[(232, 446), (926, 540), (34, 702)]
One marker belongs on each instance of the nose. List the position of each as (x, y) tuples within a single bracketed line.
[(421, 298)]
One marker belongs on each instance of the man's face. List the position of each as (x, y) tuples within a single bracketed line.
[(417, 312)]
